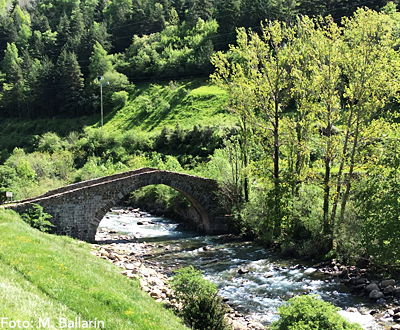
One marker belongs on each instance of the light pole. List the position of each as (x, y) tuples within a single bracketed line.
[(101, 80)]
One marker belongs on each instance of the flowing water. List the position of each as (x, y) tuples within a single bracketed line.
[(255, 281)]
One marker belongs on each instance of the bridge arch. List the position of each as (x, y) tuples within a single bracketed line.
[(78, 209)]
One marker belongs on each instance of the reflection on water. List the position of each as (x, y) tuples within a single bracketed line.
[(255, 281)]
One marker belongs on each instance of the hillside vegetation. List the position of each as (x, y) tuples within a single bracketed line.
[(46, 276), (146, 111)]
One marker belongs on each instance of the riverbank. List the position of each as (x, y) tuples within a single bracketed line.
[(253, 280), (152, 275)]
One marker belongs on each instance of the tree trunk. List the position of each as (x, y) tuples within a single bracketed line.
[(350, 176), (339, 176), (277, 197), (327, 177)]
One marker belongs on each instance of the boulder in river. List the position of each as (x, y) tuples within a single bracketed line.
[(375, 295), (386, 283), (388, 290), (396, 293), (371, 287)]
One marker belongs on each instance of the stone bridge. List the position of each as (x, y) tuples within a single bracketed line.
[(77, 209)]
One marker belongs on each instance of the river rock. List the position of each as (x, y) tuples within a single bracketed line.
[(388, 290), (396, 293), (381, 301), (361, 280), (395, 327), (396, 317), (130, 267), (237, 324), (166, 290), (386, 283), (145, 288), (310, 270), (148, 272), (371, 287), (104, 253), (134, 276), (155, 281), (255, 326), (375, 295), (156, 293), (243, 271)]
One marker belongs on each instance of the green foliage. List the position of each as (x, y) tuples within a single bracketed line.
[(189, 146), (49, 142), (202, 307), (96, 167), (100, 62), (118, 99), (309, 104), (308, 312), (172, 51), (36, 218), (158, 198), (379, 189)]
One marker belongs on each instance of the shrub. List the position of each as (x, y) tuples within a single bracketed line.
[(119, 99), (49, 142), (36, 218), (202, 307), (308, 312)]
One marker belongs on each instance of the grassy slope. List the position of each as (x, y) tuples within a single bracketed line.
[(187, 103), (46, 276)]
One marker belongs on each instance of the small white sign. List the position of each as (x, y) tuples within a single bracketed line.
[(9, 194)]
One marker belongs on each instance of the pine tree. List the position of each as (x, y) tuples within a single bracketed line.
[(12, 68), (100, 62), (70, 84), (22, 23)]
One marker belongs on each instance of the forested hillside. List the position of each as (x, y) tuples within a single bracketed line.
[(52, 51), (298, 121)]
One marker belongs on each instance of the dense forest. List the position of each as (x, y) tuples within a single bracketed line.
[(52, 51)]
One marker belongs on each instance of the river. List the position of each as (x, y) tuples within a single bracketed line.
[(253, 280)]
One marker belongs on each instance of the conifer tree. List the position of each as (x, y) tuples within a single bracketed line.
[(70, 84)]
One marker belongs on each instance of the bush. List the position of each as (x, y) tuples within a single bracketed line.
[(36, 218), (119, 99), (202, 307), (308, 312)]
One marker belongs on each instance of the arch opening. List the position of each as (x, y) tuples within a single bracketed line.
[(160, 199)]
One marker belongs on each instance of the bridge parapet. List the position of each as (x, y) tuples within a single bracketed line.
[(90, 182)]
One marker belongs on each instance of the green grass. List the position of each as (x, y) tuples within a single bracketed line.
[(46, 276), (186, 102)]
